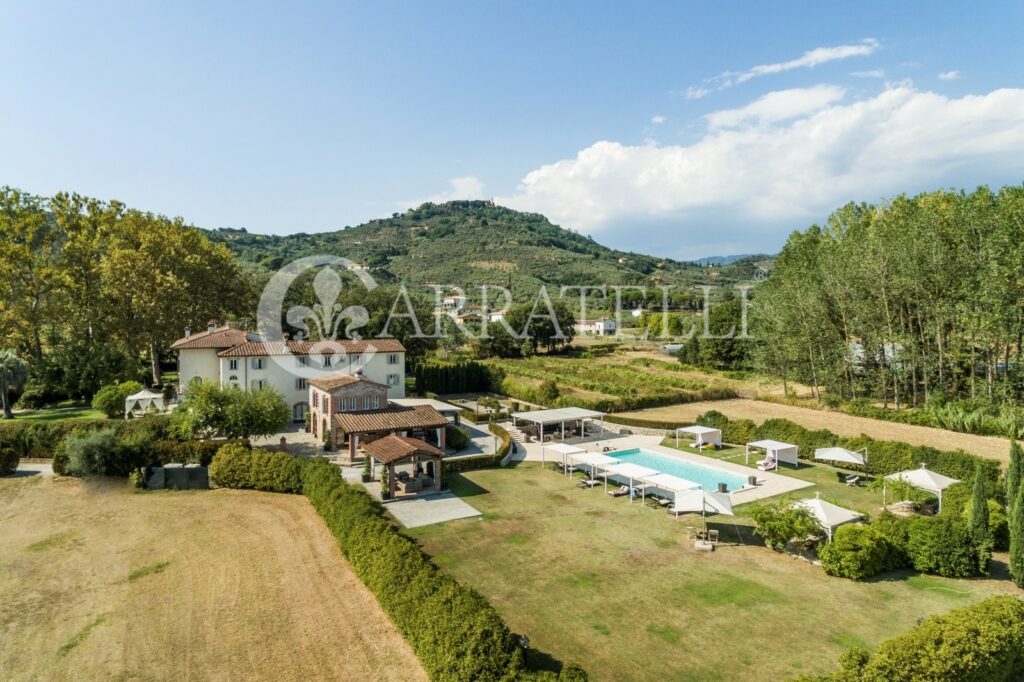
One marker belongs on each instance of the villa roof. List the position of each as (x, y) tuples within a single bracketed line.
[(340, 379), (263, 348), (391, 449), (390, 419), (219, 337)]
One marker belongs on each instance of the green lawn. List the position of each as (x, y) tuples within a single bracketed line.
[(618, 588), (56, 414)]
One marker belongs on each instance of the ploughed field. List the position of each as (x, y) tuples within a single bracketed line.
[(99, 582)]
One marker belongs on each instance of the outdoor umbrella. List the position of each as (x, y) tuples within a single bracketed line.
[(703, 500)]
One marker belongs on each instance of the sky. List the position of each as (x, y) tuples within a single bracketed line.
[(680, 130)]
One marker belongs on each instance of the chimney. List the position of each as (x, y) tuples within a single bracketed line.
[(211, 325), (286, 335), (188, 332)]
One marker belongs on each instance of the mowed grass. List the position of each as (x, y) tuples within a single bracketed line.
[(59, 413), (98, 582), (618, 588)]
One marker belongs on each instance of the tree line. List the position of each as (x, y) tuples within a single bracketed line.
[(915, 299)]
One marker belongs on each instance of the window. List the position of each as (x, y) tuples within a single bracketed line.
[(302, 360), (328, 360), (257, 363), (351, 403), (375, 401), (232, 365), (394, 379), (301, 383), (299, 412), (393, 358), (257, 384)]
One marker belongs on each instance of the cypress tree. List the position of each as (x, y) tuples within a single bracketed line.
[(1013, 473), (1017, 539)]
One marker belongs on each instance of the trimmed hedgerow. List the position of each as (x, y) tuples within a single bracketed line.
[(236, 466), (455, 632), (860, 551), (983, 642), (41, 439)]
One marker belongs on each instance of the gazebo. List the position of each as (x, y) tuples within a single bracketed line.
[(829, 516), (776, 451), (842, 455), (670, 484), (702, 435), (143, 400), (923, 479), (563, 449), (393, 450), (558, 417)]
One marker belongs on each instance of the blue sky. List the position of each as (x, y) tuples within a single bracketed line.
[(678, 130)]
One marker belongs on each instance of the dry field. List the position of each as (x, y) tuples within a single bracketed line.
[(98, 582), (837, 422)]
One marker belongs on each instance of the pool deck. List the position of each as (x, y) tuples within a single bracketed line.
[(768, 484)]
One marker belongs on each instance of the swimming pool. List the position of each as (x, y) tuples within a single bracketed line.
[(707, 477)]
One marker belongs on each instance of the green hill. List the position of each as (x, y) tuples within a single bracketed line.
[(469, 243)]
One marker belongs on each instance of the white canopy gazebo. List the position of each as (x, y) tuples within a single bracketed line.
[(923, 479), (143, 400), (842, 455), (559, 416), (630, 471), (670, 483), (829, 516), (776, 451), (561, 448), (594, 460), (702, 435)]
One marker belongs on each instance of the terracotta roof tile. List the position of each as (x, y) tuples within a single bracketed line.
[(263, 348), (394, 418), (339, 379), (221, 337), (391, 449)]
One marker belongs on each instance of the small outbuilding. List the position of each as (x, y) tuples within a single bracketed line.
[(143, 401), (394, 450), (774, 452), (829, 516)]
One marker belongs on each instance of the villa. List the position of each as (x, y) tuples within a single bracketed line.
[(236, 357), (602, 326)]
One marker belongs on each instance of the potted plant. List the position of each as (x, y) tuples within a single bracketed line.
[(327, 441), (366, 470), (385, 485), (307, 422)]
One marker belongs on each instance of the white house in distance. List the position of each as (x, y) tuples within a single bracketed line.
[(602, 326), (234, 357)]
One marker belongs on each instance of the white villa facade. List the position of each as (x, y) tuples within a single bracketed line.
[(234, 357), (602, 326)]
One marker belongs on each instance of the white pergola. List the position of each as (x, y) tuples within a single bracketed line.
[(777, 450), (701, 435), (143, 400), (670, 483), (923, 479), (630, 471), (564, 449), (558, 416), (594, 460), (701, 501), (829, 516), (842, 455)]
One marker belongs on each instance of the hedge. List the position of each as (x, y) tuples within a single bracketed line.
[(455, 632), (884, 457), (459, 377), (235, 466), (8, 461), (460, 464), (859, 551), (983, 642), (40, 439)]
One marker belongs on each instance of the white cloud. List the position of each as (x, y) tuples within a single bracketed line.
[(658, 119), (808, 60), (465, 187), (790, 171), (949, 75), (874, 73), (777, 106)]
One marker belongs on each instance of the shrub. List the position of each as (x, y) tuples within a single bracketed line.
[(8, 461), (781, 522), (110, 399), (88, 452), (235, 466), (455, 632), (983, 642), (190, 451), (209, 409), (860, 551), (942, 545), (455, 437)]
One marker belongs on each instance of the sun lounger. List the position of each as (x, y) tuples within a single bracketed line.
[(620, 491), (766, 465), (852, 480), (588, 483)]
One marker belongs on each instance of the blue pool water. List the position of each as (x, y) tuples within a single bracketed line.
[(707, 477)]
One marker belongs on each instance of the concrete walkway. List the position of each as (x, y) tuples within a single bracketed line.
[(424, 511)]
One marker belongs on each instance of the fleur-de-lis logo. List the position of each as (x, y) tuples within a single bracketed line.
[(328, 314)]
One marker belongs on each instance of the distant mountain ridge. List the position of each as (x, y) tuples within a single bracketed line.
[(728, 260), (469, 243)]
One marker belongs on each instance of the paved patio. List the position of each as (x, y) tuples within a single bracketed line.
[(431, 509)]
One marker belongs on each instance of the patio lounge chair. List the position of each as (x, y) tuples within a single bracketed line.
[(588, 483), (620, 491), (766, 464), (853, 480)]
